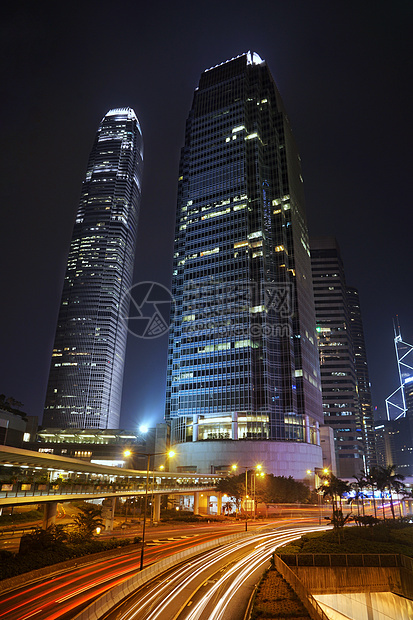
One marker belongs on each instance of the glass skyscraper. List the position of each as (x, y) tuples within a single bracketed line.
[(344, 377), (86, 374), (362, 372), (243, 380)]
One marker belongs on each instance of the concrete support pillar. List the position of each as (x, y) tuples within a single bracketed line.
[(196, 503), (195, 427), (219, 503), (234, 425), (157, 508), (317, 431), (208, 509), (307, 429), (50, 511), (108, 512)]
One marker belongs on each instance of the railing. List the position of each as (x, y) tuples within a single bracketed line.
[(367, 560), (90, 489), (314, 609), (383, 572)]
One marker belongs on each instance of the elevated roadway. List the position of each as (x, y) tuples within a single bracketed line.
[(65, 479)]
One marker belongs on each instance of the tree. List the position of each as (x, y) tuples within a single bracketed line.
[(388, 479), (51, 538), (234, 487), (88, 520), (268, 489), (358, 486), (335, 488), (371, 480)]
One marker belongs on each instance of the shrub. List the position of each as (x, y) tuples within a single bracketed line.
[(20, 517), (376, 539), (16, 564)]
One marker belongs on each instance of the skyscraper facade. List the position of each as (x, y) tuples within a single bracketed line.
[(339, 377), (243, 381), (398, 428), (362, 374), (86, 374)]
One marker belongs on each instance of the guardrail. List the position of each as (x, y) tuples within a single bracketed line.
[(314, 609), (367, 560)]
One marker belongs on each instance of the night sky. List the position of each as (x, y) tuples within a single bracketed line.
[(344, 70)]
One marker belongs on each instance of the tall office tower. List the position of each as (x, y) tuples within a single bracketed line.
[(341, 403), (362, 374), (400, 402), (243, 381), (86, 374), (399, 407)]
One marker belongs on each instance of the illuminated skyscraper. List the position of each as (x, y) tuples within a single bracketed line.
[(86, 374), (362, 373), (397, 430), (243, 381), (343, 361)]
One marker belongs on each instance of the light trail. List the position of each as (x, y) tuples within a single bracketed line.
[(119, 567), (154, 604), (241, 569)]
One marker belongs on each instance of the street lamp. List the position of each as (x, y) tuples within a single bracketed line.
[(234, 468), (320, 473), (259, 474), (171, 454)]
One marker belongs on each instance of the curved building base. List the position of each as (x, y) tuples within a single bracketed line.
[(281, 458)]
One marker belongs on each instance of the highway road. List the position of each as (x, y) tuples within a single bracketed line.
[(216, 585), (62, 595)]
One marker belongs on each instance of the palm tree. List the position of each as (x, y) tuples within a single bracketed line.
[(392, 481), (335, 488), (358, 487), (371, 480), (381, 486), (88, 519)]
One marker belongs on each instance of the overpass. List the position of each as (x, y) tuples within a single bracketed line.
[(29, 477)]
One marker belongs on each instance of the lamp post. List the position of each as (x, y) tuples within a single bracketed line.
[(319, 472), (259, 474), (145, 504), (234, 468)]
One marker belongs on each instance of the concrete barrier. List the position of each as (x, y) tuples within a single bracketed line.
[(339, 573)]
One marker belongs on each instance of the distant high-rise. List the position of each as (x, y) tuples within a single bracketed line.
[(243, 382), (400, 402), (343, 361), (398, 428), (86, 374), (362, 374)]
